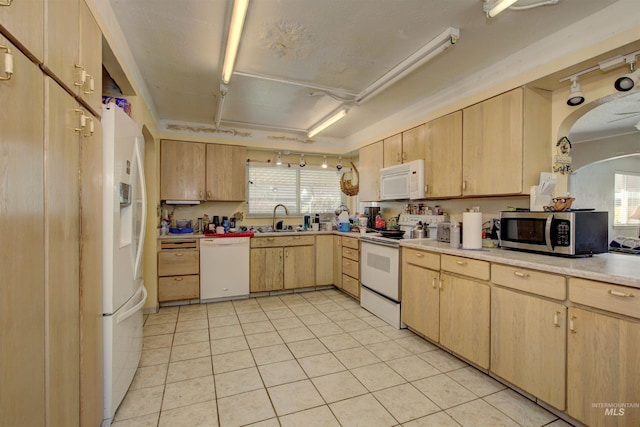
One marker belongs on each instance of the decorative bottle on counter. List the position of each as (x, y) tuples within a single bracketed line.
[(454, 238)]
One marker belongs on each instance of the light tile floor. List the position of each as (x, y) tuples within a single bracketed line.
[(307, 359)]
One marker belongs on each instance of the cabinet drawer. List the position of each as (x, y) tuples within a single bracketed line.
[(351, 268), (421, 258), (466, 266), (536, 282), (615, 298), (178, 288), (175, 263), (180, 244), (353, 254), (271, 241), (350, 242), (351, 285)]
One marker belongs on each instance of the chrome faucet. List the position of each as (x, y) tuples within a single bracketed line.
[(286, 211)]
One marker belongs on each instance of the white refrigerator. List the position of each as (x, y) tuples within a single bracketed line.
[(124, 218)]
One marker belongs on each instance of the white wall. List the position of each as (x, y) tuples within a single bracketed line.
[(592, 186)]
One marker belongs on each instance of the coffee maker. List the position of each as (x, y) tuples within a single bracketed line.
[(371, 212)]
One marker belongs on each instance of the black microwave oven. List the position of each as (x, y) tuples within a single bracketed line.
[(572, 233)]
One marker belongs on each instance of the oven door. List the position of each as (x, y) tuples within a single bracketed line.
[(379, 269)]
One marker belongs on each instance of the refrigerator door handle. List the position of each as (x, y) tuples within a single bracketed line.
[(140, 245), (133, 310)]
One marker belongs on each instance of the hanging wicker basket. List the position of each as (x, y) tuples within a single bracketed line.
[(347, 186)]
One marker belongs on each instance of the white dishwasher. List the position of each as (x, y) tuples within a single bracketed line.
[(224, 268)]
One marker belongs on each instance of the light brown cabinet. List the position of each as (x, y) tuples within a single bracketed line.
[(286, 262), (405, 147), (528, 344), (371, 161), (22, 294), (226, 172), (74, 50), (505, 143), (392, 150), (24, 21), (351, 265), (421, 292), (443, 156), (182, 170), (178, 270), (337, 261), (324, 260)]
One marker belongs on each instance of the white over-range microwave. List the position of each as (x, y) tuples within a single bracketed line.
[(405, 181)]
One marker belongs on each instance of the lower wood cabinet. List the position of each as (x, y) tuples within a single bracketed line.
[(465, 318), (324, 260), (286, 262), (299, 267), (528, 344), (178, 270), (337, 261), (421, 293), (350, 265), (267, 269)]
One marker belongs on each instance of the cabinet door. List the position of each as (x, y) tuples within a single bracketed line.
[(22, 294), (421, 300), (182, 170), (226, 172), (90, 58), (267, 272), (528, 344), (62, 234), (443, 164), (492, 146), (414, 144), (62, 41), (324, 260), (603, 367), (392, 150), (91, 375), (337, 261), (464, 318), (370, 165), (24, 20), (299, 267)]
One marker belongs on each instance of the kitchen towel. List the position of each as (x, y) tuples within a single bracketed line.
[(472, 235)]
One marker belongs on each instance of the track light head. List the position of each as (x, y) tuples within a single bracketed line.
[(628, 81), (339, 165), (324, 162), (278, 159), (303, 162), (576, 97)]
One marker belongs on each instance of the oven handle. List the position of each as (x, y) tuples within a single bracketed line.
[(379, 243), (547, 232)]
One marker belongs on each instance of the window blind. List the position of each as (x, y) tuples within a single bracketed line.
[(627, 198)]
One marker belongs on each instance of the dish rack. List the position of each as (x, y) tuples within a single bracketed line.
[(627, 245)]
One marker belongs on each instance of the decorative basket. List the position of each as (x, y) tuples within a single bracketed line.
[(347, 186)]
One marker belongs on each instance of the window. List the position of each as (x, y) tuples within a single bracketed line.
[(301, 190), (627, 198)]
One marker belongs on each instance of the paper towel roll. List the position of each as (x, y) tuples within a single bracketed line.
[(472, 230)]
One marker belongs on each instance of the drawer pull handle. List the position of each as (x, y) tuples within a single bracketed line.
[(520, 274), (178, 279), (6, 3), (271, 239), (620, 294), (440, 284), (461, 262), (296, 238), (571, 326), (179, 254), (556, 318), (419, 255), (8, 57), (433, 283)]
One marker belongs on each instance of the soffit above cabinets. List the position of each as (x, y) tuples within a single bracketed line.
[(178, 48)]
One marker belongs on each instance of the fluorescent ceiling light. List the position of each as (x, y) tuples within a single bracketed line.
[(233, 39), (436, 46), (498, 7), (325, 123)]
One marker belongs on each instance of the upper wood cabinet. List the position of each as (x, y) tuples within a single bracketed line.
[(505, 143), (24, 21), (182, 170), (73, 51), (226, 172), (414, 144), (392, 150), (443, 155), (371, 161)]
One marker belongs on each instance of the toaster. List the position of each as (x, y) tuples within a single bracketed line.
[(443, 234)]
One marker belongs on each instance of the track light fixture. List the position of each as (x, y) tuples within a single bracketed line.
[(576, 97), (628, 81), (324, 162), (303, 162), (279, 159), (339, 165)]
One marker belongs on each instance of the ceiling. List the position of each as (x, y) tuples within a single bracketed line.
[(336, 48)]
